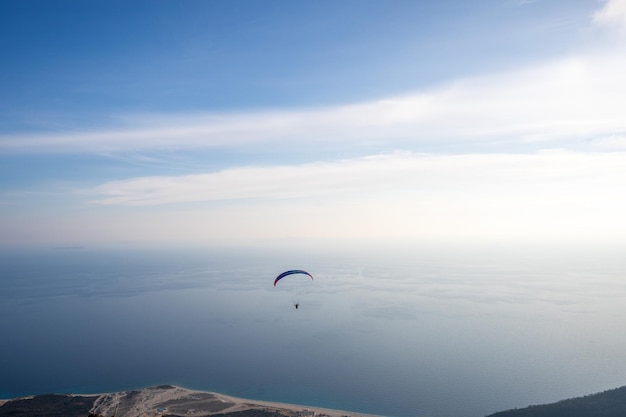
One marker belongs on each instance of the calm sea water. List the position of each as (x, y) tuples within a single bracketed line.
[(411, 331)]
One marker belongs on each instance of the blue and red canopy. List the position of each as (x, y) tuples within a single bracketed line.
[(293, 271)]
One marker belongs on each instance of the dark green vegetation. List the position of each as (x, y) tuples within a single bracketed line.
[(610, 403), (49, 405)]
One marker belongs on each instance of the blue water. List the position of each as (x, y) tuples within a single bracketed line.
[(403, 331)]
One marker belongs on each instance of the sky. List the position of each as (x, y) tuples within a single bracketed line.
[(235, 122)]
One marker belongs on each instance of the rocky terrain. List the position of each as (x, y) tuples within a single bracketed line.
[(161, 401)]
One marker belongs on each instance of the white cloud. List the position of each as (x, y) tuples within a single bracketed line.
[(561, 101), (551, 195), (612, 13), (558, 195), (400, 174)]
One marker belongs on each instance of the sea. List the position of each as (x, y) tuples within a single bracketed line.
[(392, 330)]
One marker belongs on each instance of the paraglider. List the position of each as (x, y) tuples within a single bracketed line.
[(296, 303), (293, 271)]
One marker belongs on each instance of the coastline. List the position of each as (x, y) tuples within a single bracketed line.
[(170, 400), (296, 407)]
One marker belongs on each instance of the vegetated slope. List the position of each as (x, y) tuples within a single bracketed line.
[(49, 405), (610, 403)]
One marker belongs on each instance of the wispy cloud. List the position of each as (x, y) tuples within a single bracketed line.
[(401, 174), (546, 195), (561, 195), (565, 100), (612, 13), (524, 2), (610, 142)]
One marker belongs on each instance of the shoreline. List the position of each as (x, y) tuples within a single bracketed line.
[(175, 400), (299, 407)]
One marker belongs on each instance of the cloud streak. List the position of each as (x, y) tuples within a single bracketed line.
[(399, 174), (545, 196), (562, 195), (567, 100)]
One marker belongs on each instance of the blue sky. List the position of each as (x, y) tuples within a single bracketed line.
[(245, 121)]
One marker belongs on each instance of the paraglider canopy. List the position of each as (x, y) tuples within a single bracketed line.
[(293, 284), (293, 271)]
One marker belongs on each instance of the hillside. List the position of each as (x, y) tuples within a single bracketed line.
[(50, 405), (171, 401), (610, 403), (161, 401)]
